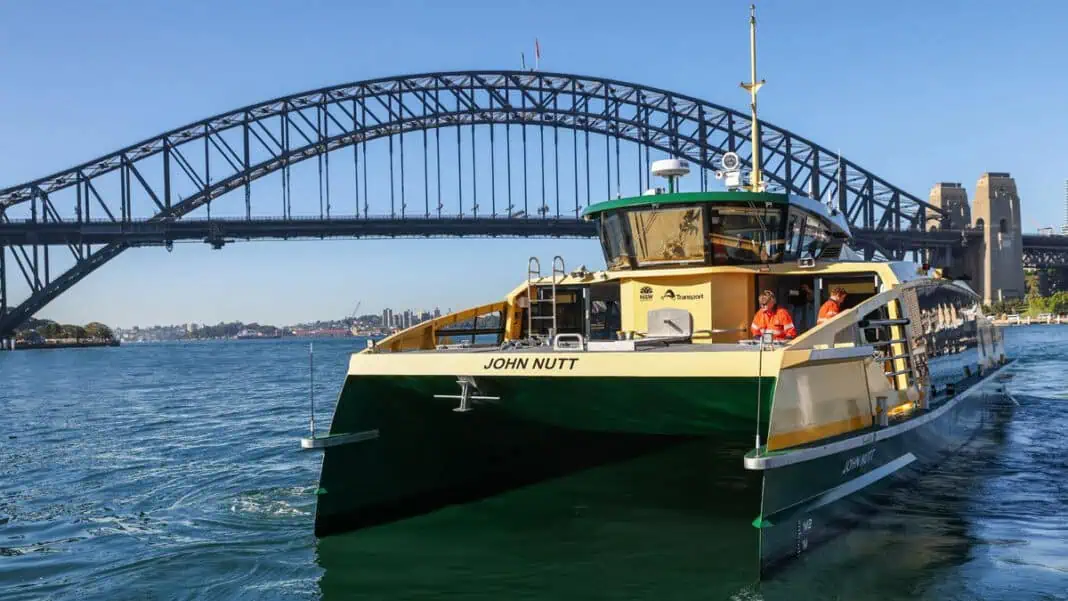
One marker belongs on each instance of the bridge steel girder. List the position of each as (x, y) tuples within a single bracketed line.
[(1041, 251), (1041, 258), (221, 231), (310, 125)]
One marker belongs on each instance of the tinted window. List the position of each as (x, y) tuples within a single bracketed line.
[(746, 234), (614, 241), (948, 333), (667, 236)]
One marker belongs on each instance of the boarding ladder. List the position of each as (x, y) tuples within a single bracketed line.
[(536, 296)]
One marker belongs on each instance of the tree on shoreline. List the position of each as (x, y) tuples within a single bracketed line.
[(48, 329)]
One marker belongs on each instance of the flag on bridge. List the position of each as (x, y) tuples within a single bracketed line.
[(537, 54)]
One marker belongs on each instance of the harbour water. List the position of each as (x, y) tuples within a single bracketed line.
[(172, 471)]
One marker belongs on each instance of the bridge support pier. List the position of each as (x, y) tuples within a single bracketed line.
[(997, 213)]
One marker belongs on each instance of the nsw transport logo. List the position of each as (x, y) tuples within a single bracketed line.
[(646, 293), (670, 295)]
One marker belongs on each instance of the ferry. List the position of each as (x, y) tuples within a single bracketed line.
[(575, 368)]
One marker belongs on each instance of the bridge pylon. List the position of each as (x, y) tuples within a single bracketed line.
[(951, 200), (998, 261)]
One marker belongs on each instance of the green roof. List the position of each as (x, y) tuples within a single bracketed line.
[(684, 198)]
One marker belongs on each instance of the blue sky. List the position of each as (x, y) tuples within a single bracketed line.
[(918, 92)]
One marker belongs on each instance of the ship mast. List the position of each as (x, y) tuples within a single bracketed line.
[(756, 178)]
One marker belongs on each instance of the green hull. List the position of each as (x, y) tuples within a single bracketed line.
[(419, 455), (661, 526)]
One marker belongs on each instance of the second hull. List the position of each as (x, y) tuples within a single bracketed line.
[(813, 499)]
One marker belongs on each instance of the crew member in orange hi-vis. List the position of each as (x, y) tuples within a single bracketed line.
[(772, 319), (832, 307)]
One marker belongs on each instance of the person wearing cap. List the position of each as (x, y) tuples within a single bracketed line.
[(772, 319), (832, 307)]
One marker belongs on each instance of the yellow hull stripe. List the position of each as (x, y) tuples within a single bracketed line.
[(568, 365), (806, 435)]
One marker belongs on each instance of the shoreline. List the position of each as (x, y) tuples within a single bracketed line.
[(29, 346)]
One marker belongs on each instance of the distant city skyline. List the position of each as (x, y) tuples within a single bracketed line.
[(914, 91), (394, 316)]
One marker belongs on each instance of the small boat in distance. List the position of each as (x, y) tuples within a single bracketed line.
[(577, 368), (247, 334)]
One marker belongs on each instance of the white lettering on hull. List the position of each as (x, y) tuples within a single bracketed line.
[(858, 461)]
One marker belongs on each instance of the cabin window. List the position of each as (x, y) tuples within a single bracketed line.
[(668, 236), (746, 235), (614, 241), (794, 228), (814, 237)]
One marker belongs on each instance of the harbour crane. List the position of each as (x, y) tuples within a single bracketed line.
[(352, 317)]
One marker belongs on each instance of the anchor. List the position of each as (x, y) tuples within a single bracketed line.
[(467, 384)]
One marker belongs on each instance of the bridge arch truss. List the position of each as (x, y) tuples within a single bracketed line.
[(153, 191)]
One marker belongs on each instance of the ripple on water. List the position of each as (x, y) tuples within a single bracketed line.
[(171, 471)]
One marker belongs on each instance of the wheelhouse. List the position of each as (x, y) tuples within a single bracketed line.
[(714, 228)]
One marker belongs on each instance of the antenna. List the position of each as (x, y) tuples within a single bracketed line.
[(672, 169), (756, 180)]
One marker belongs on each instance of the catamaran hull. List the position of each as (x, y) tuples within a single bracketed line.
[(814, 495), (405, 453), (402, 451)]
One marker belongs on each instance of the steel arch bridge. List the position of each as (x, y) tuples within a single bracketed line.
[(164, 188)]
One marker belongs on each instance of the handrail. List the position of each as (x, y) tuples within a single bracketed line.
[(895, 357), (865, 324), (889, 342)]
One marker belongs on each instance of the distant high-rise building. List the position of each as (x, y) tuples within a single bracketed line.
[(437, 312), (1064, 228)]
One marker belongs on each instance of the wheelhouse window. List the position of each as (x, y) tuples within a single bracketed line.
[(746, 235), (813, 239), (668, 235), (708, 234), (795, 225), (614, 241)]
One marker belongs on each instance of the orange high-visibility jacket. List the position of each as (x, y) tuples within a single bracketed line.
[(828, 311), (777, 321)]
